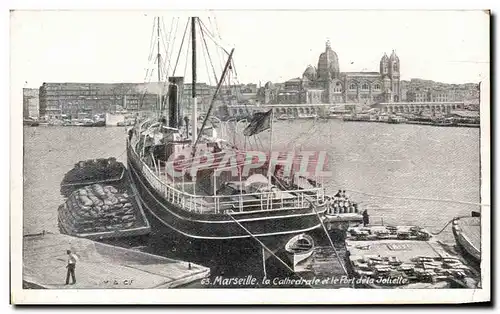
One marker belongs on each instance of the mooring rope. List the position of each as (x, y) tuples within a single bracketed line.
[(418, 198), (330, 239), (449, 222), (267, 249)]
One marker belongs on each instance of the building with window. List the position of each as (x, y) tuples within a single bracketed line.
[(87, 99), (204, 94), (418, 90), (30, 103), (339, 87)]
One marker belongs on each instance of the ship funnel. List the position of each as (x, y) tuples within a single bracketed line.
[(175, 90), (173, 106)]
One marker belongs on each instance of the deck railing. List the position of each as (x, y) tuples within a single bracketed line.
[(240, 203)]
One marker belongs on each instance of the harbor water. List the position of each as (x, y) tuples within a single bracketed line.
[(404, 174)]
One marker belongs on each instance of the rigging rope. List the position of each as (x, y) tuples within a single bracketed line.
[(172, 46), (168, 53), (166, 46), (218, 50), (209, 58), (187, 57), (151, 41), (206, 67), (210, 36), (180, 48)]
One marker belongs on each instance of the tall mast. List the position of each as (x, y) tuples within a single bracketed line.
[(193, 87), (159, 65)]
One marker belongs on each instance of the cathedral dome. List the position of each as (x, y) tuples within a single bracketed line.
[(310, 73), (328, 64), (268, 85)]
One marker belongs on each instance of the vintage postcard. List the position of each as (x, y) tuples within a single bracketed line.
[(242, 157)]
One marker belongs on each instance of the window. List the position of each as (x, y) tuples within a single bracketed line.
[(337, 88), (376, 86), (365, 87), (352, 86)]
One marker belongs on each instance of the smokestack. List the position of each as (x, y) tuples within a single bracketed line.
[(175, 90), (173, 104)]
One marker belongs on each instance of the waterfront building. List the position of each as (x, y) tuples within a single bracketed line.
[(204, 94), (30, 103), (87, 99), (418, 90)]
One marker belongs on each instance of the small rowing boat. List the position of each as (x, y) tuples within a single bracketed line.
[(299, 248)]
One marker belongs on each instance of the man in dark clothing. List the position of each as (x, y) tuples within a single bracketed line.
[(366, 218), (71, 267)]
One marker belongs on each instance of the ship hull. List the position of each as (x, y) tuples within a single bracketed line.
[(222, 226), (465, 244)]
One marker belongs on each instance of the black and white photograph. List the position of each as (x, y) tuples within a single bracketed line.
[(210, 152)]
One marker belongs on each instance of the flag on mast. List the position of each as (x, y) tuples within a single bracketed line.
[(260, 122)]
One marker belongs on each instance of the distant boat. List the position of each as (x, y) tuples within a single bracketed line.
[(30, 122), (396, 119), (87, 122), (299, 248), (444, 122)]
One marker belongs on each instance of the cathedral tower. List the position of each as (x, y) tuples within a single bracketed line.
[(394, 76), (384, 65)]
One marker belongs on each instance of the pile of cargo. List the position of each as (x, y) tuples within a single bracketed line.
[(98, 208), (388, 232), (94, 170), (419, 269)]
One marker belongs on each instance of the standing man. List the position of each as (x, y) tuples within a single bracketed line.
[(71, 267), (366, 218)]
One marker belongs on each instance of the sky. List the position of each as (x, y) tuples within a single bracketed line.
[(114, 46)]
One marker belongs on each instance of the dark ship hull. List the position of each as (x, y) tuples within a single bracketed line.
[(221, 226)]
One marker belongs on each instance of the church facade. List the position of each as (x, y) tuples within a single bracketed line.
[(327, 84)]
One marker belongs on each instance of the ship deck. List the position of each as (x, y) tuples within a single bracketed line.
[(101, 266), (471, 228)]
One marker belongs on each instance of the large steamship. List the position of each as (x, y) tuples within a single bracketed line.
[(210, 204)]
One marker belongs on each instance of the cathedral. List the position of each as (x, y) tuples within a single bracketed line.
[(326, 84)]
